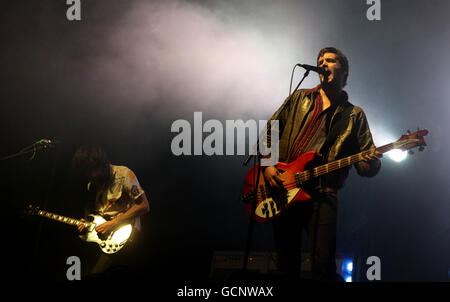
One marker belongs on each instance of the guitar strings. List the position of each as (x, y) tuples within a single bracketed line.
[(324, 169), (330, 167)]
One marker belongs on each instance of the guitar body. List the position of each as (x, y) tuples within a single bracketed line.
[(298, 177), (272, 202), (109, 243)]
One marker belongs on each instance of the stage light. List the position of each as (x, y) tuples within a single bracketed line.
[(349, 266), (346, 270), (397, 155), (384, 137)]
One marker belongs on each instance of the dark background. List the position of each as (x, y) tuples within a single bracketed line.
[(123, 74)]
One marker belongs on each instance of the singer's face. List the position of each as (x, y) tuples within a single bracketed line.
[(336, 74)]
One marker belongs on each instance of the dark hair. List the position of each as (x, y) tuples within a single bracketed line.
[(341, 57), (90, 157)]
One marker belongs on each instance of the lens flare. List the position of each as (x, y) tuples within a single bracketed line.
[(397, 155)]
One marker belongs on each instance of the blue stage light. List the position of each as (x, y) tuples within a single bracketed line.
[(347, 269), (349, 266)]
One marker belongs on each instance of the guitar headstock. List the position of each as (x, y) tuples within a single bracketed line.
[(31, 210), (411, 140)]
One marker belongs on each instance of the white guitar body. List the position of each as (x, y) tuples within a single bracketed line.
[(113, 242), (109, 243)]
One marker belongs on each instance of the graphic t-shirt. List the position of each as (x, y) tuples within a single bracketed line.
[(120, 195)]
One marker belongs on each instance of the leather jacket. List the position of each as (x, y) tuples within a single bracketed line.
[(352, 138)]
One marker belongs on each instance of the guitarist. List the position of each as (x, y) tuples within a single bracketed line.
[(118, 196), (322, 120)]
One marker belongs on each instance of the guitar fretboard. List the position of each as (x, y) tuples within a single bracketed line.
[(60, 218), (340, 163)]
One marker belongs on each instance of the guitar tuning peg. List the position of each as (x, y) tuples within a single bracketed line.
[(421, 148), (410, 152), (409, 132)]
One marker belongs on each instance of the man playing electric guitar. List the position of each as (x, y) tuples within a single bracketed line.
[(322, 120), (118, 196)]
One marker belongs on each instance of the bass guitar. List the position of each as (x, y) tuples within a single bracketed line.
[(297, 177), (109, 243)]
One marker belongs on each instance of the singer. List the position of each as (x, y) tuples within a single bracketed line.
[(320, 119)]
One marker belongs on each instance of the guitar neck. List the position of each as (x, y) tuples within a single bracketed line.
[(56, 217), (341, 163)]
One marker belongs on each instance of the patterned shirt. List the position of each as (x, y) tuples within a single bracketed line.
[(120, 195)]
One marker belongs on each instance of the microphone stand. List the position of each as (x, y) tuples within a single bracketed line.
[(39, 145), (258, 161), (33, 148)]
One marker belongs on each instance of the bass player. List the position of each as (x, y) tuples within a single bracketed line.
[(322, 120)]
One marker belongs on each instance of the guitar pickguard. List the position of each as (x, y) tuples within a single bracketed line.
[(110, 243), (273, 206)]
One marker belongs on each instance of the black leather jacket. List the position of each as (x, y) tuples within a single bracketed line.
[(352, 138)]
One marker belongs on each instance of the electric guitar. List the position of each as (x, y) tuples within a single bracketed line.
[(109, 243), (298, 175)]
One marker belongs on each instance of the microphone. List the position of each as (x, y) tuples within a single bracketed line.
[(314, 68), (45, 142)]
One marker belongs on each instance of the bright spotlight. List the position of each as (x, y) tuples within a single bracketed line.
[(397, 155), (347, 266), (350, 266)]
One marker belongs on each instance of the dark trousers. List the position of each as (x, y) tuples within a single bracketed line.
[(318, 218)]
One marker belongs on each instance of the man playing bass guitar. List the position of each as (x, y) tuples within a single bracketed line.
[(322, 120)]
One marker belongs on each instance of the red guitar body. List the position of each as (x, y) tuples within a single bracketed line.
[(272, 202), (298, 177)]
